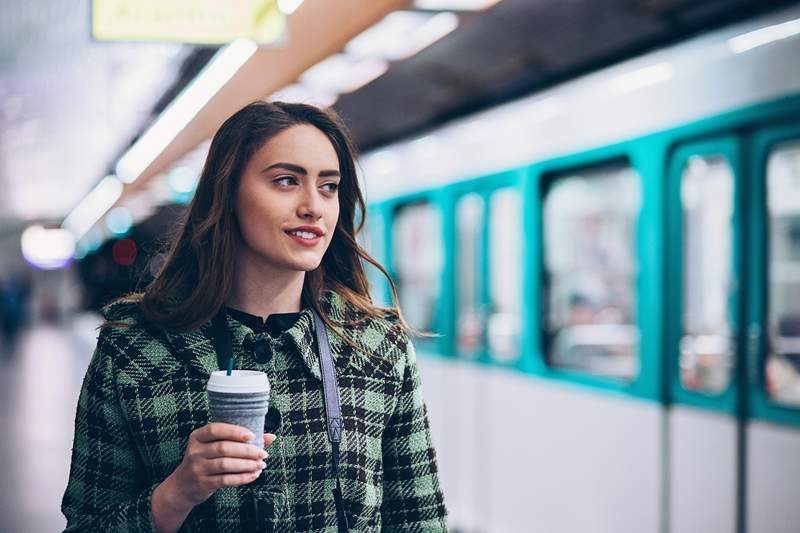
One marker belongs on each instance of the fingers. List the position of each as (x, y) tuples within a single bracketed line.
[(227, 448), (234, 480), (222, 431), (229, 465), (269, 438)]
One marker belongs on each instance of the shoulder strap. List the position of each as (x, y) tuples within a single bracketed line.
[(333, 411)]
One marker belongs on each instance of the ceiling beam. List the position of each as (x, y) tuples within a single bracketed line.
[(316, 30)]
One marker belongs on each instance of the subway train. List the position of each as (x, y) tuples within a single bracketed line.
[(611, 270)]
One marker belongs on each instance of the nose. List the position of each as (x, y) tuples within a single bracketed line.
[(310, 206)]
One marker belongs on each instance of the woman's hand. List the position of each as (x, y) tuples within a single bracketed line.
[(217, 455)]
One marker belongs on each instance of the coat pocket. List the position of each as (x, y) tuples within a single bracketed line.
[(162, 415), (362, 505)]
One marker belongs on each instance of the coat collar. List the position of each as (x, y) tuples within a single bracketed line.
[(196, 348)]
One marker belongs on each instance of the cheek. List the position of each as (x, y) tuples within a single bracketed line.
[(246, 214), (255, 216)]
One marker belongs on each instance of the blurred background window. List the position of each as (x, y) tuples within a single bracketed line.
[(590, 271), (505, 272), (372, 239), (469, 301), (417, 261), (707, 344), (783, 315)]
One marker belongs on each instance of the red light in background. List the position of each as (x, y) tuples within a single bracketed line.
[(124, 252)]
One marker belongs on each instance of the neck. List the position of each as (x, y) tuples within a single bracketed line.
[(262, 290)]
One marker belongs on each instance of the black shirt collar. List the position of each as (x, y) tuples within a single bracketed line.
[(274, 324)]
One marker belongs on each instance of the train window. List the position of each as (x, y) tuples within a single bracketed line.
[(469, 247), (783, 314), (505, 268), (707, 344), (589, 223), (417, 261)]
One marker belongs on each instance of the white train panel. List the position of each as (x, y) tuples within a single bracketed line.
[(547, 457), (773, 476), (702, 469)]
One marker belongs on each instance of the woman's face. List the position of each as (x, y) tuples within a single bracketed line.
[(287, 203)]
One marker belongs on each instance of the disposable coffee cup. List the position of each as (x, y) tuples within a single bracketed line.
[(241, 398)]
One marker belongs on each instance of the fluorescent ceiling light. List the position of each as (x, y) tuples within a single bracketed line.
[(456, 5), (47, 248), (183, 179), (342, 73), (753, 39), (644, 77), (402, 34), (119, 221), (390, 38), (93, 206), (225, 63)]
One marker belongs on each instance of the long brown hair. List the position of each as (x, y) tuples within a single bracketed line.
[(197, 275)]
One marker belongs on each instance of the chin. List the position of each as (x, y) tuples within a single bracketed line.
[(305, 265)]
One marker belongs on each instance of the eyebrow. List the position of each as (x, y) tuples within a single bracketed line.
[(300, 170)]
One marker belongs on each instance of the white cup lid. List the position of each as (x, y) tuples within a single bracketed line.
[(243, 381)]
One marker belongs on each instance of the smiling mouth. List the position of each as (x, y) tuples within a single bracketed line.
[(305, 235)]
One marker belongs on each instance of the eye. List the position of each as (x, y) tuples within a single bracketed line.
[(286, 181), (332, 186)]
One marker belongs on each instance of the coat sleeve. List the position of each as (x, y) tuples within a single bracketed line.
[(102, 493), (412, 497)]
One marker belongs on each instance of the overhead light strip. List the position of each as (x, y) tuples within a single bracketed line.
[(93, 206), (222, 67)]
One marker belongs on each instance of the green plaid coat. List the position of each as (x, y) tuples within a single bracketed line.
[(144, 393)]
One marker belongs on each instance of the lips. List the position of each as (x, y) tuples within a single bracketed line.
[(306, 235), (307, 229)]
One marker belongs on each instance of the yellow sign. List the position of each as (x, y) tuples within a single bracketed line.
[(187, 21)]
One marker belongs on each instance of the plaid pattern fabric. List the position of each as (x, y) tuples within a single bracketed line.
[(144, 393)]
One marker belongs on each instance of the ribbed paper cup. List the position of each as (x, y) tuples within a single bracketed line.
[(241, 398)]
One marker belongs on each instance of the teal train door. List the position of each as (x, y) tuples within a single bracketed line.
[(773, 328), (704, 424)]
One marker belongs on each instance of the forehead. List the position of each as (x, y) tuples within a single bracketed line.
[(303, 144)]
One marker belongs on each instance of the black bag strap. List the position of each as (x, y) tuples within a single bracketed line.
[(330, 389)]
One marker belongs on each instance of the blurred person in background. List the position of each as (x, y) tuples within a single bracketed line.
[(14, 294), (270, 233)]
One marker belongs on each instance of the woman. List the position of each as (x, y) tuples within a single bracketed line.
[(269, 233)]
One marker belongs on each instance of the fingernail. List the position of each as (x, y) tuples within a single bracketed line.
[(263, 465), (263, 454), (247, 435)]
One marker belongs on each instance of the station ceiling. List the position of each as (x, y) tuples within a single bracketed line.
[(518, 47), (70, 107)]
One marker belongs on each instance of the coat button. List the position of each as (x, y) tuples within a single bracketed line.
[(262, 351)]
